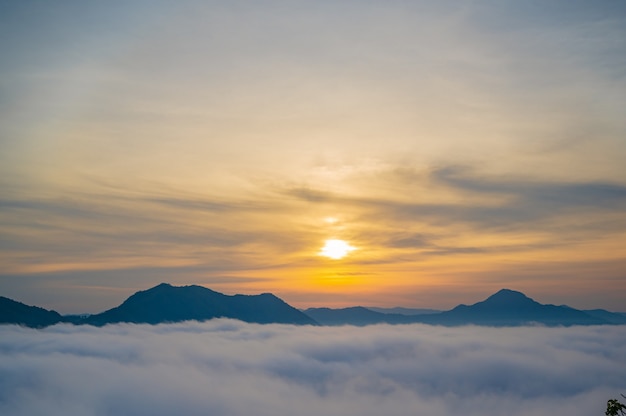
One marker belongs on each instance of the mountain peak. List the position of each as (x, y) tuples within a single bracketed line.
[(508, 297), (509, 308), (162, 286), (169, 289), (167, 303)]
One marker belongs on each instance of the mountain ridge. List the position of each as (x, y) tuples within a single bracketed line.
[(512, 308), (504, 308), (166, 303), (14, 312)]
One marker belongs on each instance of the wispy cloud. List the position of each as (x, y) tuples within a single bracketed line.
[(544, 194), (484, 201), (204, 134), (430, 215)]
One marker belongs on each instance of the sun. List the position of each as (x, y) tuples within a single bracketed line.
[(336, 249)]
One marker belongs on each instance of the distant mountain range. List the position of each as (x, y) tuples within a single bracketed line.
[(504, 308), (167, 303), (403, 311)]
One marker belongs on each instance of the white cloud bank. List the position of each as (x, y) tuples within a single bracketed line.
[(225, 367)]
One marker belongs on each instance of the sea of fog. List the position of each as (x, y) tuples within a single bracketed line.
[(225, 367)]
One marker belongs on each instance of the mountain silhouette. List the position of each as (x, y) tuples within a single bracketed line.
[(403, 311), (511, 308), (504, 308), (167, 303), (357, 315), (14, 312), (361, 316), (611, 317)]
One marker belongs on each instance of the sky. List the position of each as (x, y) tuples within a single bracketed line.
[(224, 367), (457, 147)]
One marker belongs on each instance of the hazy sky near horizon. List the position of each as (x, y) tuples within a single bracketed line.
[(459, 147), (224, 367)]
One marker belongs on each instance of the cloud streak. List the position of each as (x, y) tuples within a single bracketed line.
[(225, 367), (484, 202), (445, 213)]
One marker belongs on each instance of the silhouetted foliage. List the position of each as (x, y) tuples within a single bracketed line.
[(615, 408)]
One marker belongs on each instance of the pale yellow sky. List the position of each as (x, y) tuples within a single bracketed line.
[(461, 148)]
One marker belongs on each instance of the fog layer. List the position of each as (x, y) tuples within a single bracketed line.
[(225, 367)]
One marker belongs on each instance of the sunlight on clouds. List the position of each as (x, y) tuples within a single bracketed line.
[(273, 233), (443, 140)]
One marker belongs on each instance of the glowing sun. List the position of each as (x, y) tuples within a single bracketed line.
[(336, 249)]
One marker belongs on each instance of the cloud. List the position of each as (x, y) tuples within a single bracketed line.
[(483, 202), (225, 367), (547, 194), (76, 227), (131, 238), (155, 135)]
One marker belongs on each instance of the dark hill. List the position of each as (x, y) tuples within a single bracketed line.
[(398, 310), (504, 308), (166, 303), (612, 317), (356, 315), (13, 312), (512, 308)]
